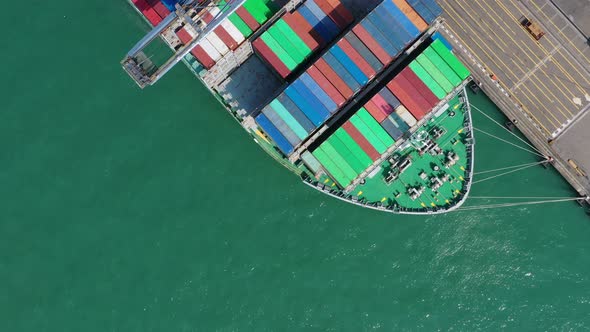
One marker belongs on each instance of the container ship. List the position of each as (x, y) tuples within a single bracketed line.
[(363, 100)]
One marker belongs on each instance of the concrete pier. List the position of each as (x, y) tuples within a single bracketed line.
[(544, 84)]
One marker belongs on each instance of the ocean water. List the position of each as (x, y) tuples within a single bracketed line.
[(128, 210)]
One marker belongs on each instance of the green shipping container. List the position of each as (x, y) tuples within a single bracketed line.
[(350, 158), (240, 25), (289, 119), (368, 134), (278, 50), (354, 147), (331, 167), (339, 161), (435, 73), (442, 66), (295, 54), (258, 10), (370, 121), (293, 37), (438, 91), (450, 59)]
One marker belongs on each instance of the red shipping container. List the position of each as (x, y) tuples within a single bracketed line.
[(248, 18), (328, 88), (406, 99), (382, 105), (375, 111), (152, 16), (302, 23), (371, 44), (141, 5), (198, 51), (422, 102), (270, 57), (358, 60), (221, 32), (332, 14), (161, 9), (420, 86), (361, 140), (331, 75), (301, 32), (341, 10)]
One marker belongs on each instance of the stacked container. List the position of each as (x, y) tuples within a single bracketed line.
[(346, 67), (153, 10), (230, 34), (295, 36)]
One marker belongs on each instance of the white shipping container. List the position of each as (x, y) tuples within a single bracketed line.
[(233, 31), (403, 113), (210, 50), (217, 43)]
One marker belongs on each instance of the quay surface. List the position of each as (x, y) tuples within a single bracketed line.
[(544, 84)]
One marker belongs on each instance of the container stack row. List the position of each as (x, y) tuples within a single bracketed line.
[(343, 70), (352, 148), (297, 35), (230, 34), (429, 10), (153, 10)]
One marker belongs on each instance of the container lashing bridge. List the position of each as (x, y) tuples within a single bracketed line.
[(137, 65)]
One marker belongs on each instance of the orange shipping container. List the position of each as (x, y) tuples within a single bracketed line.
[(411, 14)]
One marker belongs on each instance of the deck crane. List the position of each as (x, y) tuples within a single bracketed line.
[(136, 63)]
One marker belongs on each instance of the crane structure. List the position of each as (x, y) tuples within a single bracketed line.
[(138, 65)]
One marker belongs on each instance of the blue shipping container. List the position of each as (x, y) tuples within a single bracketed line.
[(315, 88), (422, 10), (391, 129), (323, 18), (280, 140), (311, 98), (341, 71), (358, 45), (434, 7), (347, 62), (304, 106), (402, 19), (315, 23), (387, 27), (295, 112), (281, 125), (382, 40), (389, 98)]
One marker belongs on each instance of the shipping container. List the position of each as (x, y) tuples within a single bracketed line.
[(239, 23), (368, 134), (247, 18), (258, 10), (313, 101), (162, 11), (210, 50), (438, 36), (389, 98), (375, 110), (311, 162), (364, 52), (383, 106), (442, 66), (346, 154), (281, 125), (270, 57), (276, 48), (220, 32), (420, 87), (399, 122), (317, 90), (281, 142), (335, 171), (402, 19), (339, 160), (391, 128), (438, 91), (356, 150), (414, 93), (304, 105), (439, 77), (341, 71), (301, 31), (293, 38), (383, 136), (405, 115), (332, 14), (411, 14), (303, 24), (450, 59), (303, 120), (333, 77), (316, 25), (388, 28), (323, 19), (407, 99), (341, 10), (363, 35), (383, 40), (361, 140), (322, 81), (217, 43), (278, 108), (358, 59), (233, 32), (349, 65), (285, 44), (422, 10)]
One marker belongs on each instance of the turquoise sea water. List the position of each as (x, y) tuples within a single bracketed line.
[(129, 210)]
